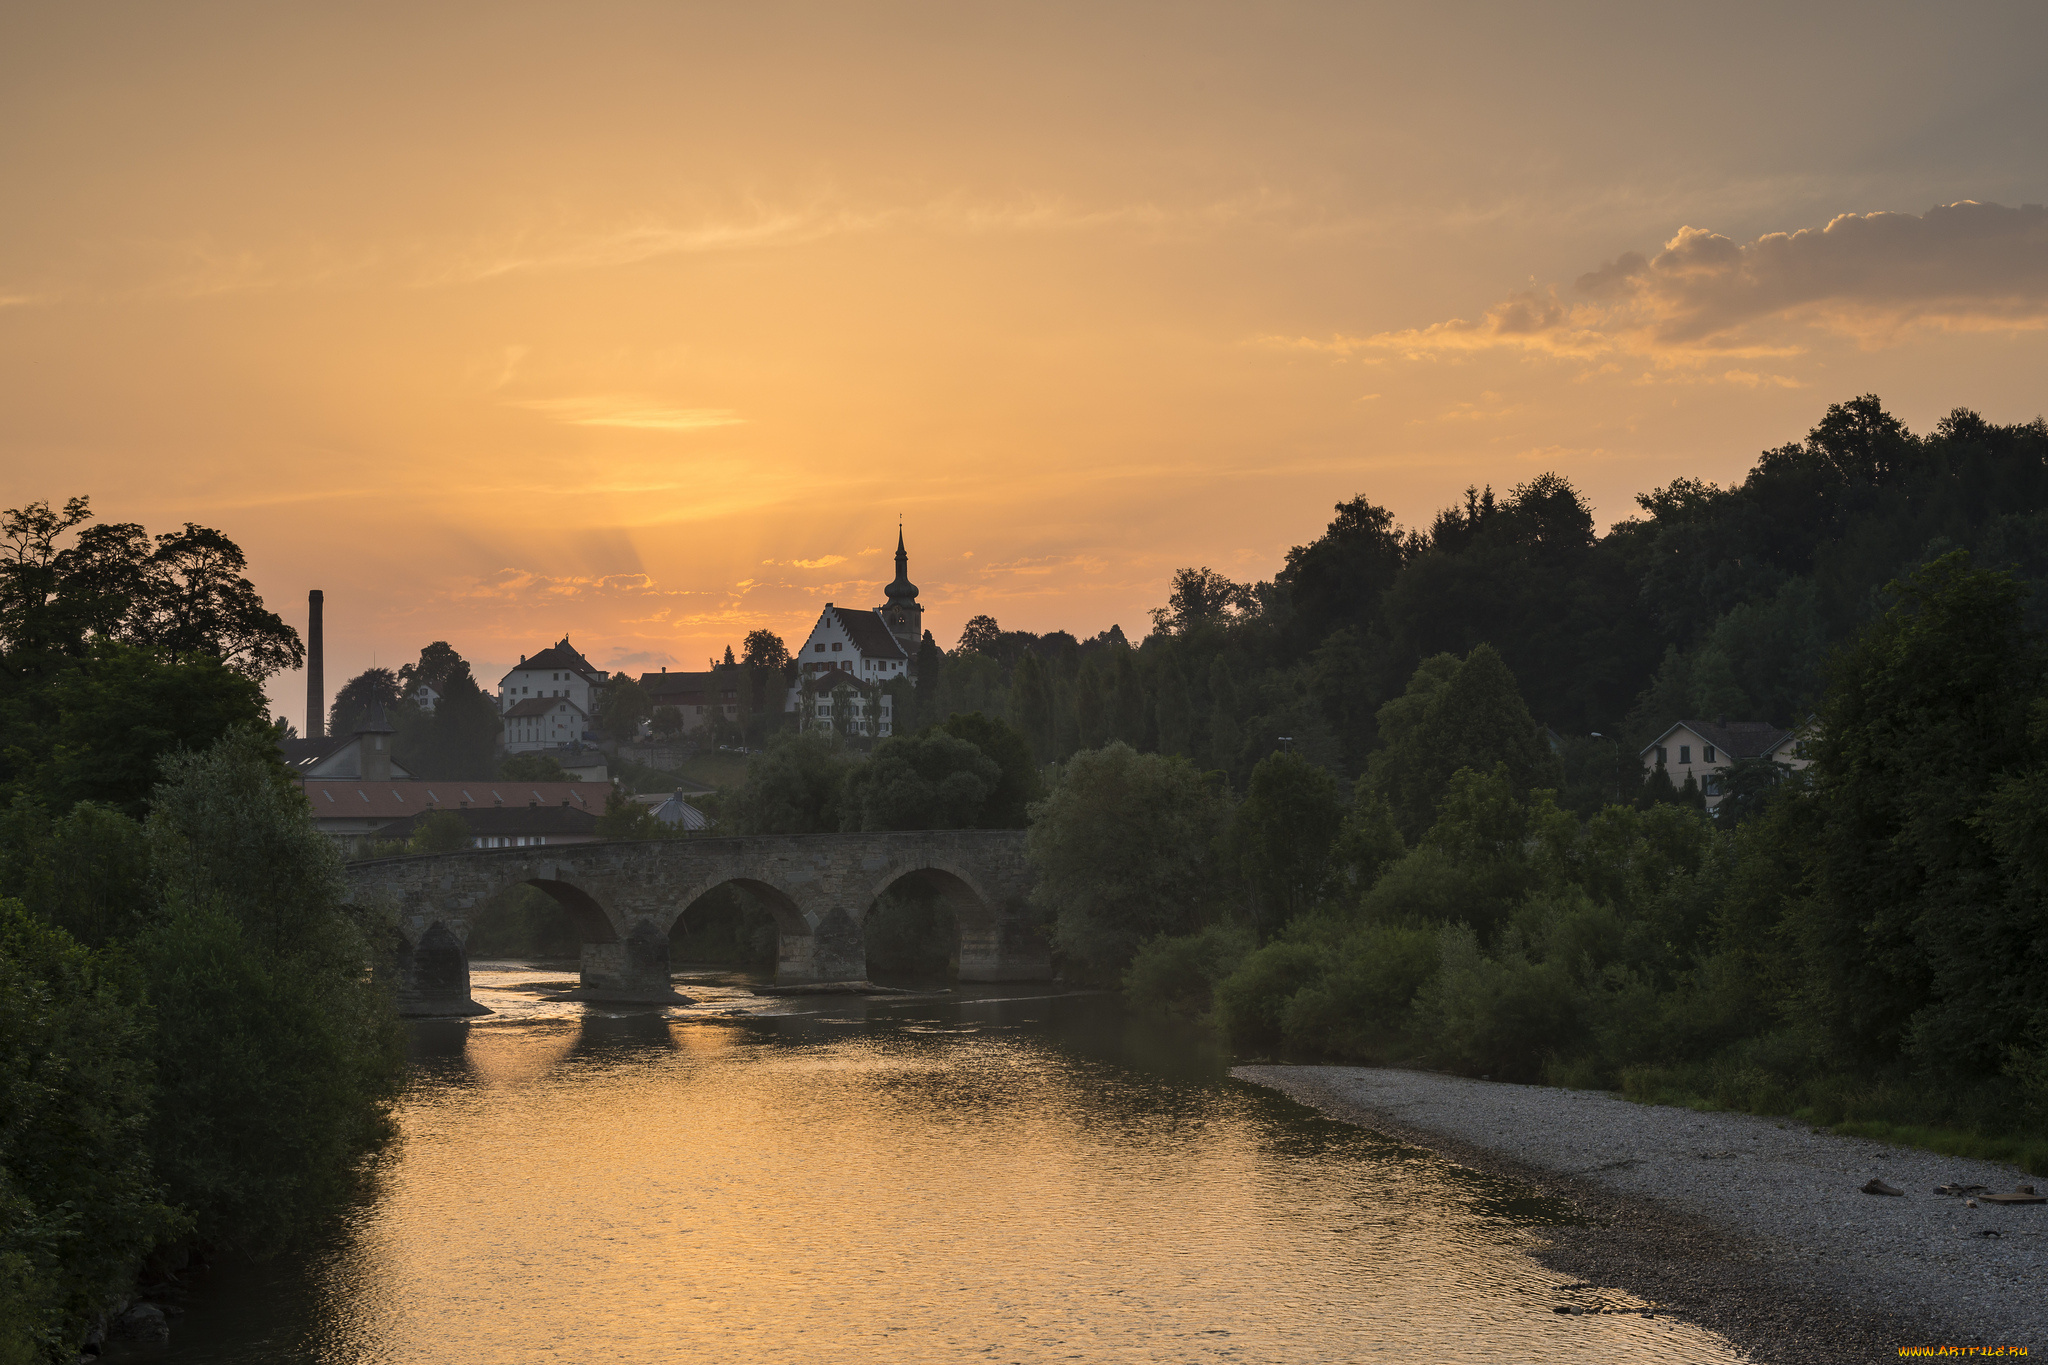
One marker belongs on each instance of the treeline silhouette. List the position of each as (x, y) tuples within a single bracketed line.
[(1710, 601)]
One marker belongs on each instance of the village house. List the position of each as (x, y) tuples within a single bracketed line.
[(1703, 750), (850, 656), (722, 693), (544, 723), (557, 671)]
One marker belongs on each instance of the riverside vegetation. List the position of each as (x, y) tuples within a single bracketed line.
[(191, 1053), (1431, 875)]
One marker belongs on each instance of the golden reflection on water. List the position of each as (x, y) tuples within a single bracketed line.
[(1038, 1180)]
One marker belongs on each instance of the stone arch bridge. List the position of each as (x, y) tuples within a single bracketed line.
[(625, 897)]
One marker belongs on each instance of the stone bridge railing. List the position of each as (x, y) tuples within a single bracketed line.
[(625, 898)]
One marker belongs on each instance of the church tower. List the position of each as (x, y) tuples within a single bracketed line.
[(901, 613)]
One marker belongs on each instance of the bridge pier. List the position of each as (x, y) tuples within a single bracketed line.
[(834, 951), (629, 971), (432, 975)]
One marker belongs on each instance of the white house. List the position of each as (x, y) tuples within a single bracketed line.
[(1703, 750), (857, 652), (557, 671), (544, 723)]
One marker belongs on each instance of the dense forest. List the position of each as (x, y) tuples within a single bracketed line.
[(1710, 602), (1388, 806), (191, 1054)]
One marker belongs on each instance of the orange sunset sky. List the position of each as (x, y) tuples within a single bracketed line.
[(643, 323)]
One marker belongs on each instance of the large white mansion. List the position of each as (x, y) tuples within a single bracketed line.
[(851, 654)]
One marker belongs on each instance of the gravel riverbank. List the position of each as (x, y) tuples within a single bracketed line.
[(1755, 1228)]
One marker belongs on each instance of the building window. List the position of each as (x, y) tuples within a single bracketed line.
[(1662, 756), (1685, 753), (820, 646), (1707, 754), (835, 646), (1711, 787)]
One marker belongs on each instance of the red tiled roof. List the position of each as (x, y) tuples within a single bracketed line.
[(336, 798), (488, 820), (562, 656), (869, 633)]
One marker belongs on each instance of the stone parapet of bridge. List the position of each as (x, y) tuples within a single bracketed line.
[(625, 898)]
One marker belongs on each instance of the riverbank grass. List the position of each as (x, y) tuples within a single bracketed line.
[(1899, 1114)]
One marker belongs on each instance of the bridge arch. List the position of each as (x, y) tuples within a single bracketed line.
[(625, 897), (794, 954)]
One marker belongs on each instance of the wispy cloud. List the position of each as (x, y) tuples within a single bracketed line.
[(825, 563), (641, 414), (1870, 277)]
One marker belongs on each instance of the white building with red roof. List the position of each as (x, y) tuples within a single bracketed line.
[(851, 655)]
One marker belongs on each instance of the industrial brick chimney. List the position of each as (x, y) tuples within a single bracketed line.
[(316, 688)]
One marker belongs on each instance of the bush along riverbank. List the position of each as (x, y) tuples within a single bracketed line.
[(191, 1053), (1862, 944)]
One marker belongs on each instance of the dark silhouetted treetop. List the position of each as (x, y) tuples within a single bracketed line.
[(1200, 598), (1337, 580), (981, 634), (182, 595), (764, 649), (361, 699)]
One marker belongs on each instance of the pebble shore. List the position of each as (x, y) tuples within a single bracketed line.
[(1755, 1228)]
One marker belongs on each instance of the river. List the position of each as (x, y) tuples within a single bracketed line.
[(1000, 1174)]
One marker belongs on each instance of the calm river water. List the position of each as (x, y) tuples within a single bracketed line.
[(995, 1175)]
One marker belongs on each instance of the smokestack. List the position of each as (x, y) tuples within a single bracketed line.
[(316, 687)]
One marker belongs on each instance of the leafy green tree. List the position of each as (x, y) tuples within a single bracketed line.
[(106, 721), (1124, 698), (275, 1057), (668, 721), (1201, 598), (625, 706), (981, 635), (1031, 706), (369, 694), (1283, 833), (458, 739), (931, 664), (929, 781), (764, 649), (1176, 710), (1369, 841), (1456, 715), (531, 767), (78, 1206), (1916, 932), (440, 831), (1009, 805), (87, 872), (180, 596), (625, 818), (1122, 852), (1747, 786), (795, 786)]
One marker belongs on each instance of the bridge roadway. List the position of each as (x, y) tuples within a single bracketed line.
[(625, 897)]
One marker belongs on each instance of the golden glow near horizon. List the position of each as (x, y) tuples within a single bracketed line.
[(643, 323)]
